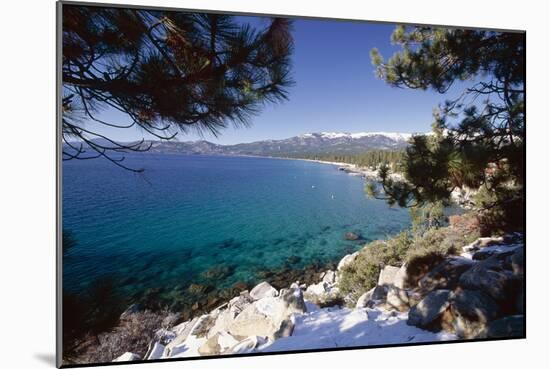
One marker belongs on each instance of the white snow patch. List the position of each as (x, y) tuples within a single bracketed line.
[(328, 328)]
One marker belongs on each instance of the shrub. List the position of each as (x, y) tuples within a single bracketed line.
[(362, 274)]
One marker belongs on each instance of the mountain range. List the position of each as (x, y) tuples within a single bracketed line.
[(305, 144)]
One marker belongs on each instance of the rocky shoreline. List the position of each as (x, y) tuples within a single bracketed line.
[(477, 294)]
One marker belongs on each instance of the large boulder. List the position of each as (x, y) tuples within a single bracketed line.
[(445, 275), (387, 275), (489, 276), (471, 312), (510, 326), (262, 290), (269, 317), (428, 312)]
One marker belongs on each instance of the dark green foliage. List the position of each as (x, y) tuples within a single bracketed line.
[(167, 72), (478, 138), (368, 159), (431, 215)]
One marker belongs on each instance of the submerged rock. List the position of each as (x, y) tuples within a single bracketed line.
[(352, 236)]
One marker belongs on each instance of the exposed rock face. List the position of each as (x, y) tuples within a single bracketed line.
[(387, 275), (428, 312), (489, 277), (471, 312), (262, 290), (127, 356), (445, 275)]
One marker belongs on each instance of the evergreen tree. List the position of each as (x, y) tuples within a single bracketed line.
[(478, 138), (167, 71)]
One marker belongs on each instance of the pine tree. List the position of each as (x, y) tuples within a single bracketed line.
[(478, 138), (168, 72)]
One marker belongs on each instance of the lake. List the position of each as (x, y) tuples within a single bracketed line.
[(210, 220)]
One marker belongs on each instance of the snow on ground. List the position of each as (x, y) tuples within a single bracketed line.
[(333, 327)]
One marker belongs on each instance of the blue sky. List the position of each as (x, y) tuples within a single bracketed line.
[(335, 90)]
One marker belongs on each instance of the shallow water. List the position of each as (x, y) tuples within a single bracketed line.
[(213, 220)]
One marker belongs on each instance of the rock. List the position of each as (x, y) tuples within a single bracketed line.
[(510, 326), (286, 328), (198, 289), (387, 275), (165, 336), (346, 260), (155, 351), (262, 290), (253, 322), (329, 277), (293, 300), (266, 316), (127, 356), (240, 286), (352, 236), (488, 276), (210, 347), (445, 275), (364, 299), (183, 331), (223, 322), (372, 297), (397, 298), (217, 344), (483, 242), (248, 345), (517, 261), (317, 289), (401, 278), (472, 311), (428, 312)]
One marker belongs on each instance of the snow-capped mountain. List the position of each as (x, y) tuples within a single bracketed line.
[(307, 143)]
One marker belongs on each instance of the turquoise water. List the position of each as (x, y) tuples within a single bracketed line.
[(187, 215)]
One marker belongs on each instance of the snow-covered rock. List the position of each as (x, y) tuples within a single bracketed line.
[(127, 356), (262, 290), (155, 352)]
